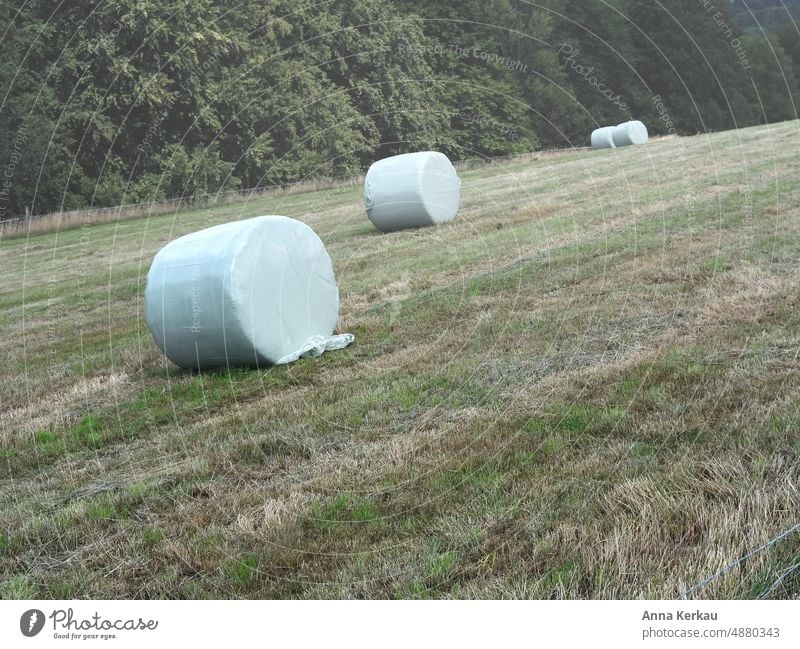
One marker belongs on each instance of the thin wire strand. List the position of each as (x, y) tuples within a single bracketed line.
[(731, 566), (779, 581)]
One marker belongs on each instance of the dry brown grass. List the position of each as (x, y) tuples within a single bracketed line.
[(61, 221)]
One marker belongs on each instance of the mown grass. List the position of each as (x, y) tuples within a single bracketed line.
[(584, 387)]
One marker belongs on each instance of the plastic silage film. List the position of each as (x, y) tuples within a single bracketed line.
[(630, 133), (626, 134), (249, 293), (603, 138), (412, 190)]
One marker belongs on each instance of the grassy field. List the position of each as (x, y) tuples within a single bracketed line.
[(584, 387)]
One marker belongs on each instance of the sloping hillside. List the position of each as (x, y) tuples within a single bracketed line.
[(200, 98), (586, 386)]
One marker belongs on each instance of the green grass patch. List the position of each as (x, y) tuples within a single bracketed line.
[(17, 587), (244, 570), (45, 437), (87, 432), (440, 566), (342, 510), (152, 537)]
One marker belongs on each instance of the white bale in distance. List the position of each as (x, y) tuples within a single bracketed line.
[(603, 138), (411, 190), (249, 293), (630, 133)]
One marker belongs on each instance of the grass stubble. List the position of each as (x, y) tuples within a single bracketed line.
[(584, 387)]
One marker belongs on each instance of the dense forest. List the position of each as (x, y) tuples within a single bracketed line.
[(124, 101)]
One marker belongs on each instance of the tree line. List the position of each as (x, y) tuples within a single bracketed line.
[(126, 101)]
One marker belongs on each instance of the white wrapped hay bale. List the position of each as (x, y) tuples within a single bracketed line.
[(412, 190), (603, 138), (250, 293), (630, 133)]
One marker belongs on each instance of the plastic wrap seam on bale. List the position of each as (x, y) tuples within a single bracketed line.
[(630, 133), (603, 138)]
